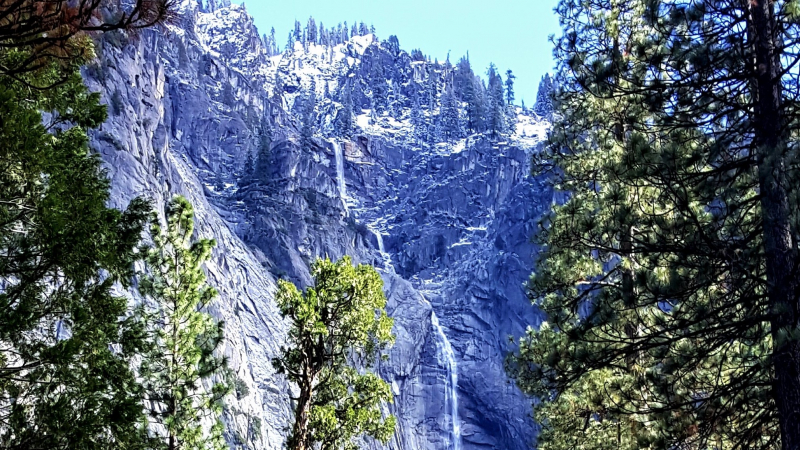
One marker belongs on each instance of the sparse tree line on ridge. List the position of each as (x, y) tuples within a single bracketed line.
[(448, 103)]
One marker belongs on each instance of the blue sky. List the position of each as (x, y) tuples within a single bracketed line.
[(512, 34)]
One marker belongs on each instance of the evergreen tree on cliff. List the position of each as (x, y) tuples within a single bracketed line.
[(183, 338), (311, 31), (449, 116), (669, 277), (344, 119), (378, 86), (544, 97), (469, 89), (510, 77), (496, 111), (339, 318), (418, 120)]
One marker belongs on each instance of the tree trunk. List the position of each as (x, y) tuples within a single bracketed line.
[(782, 280), (300, 437)]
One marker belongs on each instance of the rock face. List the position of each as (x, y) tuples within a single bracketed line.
[(448, 224)]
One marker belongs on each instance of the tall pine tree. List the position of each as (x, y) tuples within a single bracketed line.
[(510, 77), (62, 384), (669, 276), (184, 338), (345, 123), (378, 86), (449, 116), (495, 103)]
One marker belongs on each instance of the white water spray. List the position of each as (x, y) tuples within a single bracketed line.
[(451, 396), (387, 258), (379, 237)]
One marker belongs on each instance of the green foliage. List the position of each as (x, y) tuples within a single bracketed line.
[(338, 320), (254, 427), (239, 386), (61, 385), (654, 272), (183, 338)]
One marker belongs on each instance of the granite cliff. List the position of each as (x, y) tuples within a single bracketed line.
[(448, 223)]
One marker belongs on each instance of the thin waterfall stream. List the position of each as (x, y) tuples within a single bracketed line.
[(451, 396), (445, 354)]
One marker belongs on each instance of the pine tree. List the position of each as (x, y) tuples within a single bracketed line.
[(449, 120), (339, 318), (667, 276), (61, 384), (495, 104), (393, 46), (344, 124), (248, 169), (378, 86), (373, 116), (279, 88), (432, 88), (311, 31), (290, 44), (184, 338), (54, 33), (544, 97), (510, 87), (469, 89), (476, 106)]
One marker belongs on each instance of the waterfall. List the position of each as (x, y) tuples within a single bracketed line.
[(379, 237), (451, 395), (387, 258), (337, 151)]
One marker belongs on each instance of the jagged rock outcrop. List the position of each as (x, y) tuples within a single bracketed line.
[(448, 224)]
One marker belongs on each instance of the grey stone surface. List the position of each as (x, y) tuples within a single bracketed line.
[(187, 103)]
